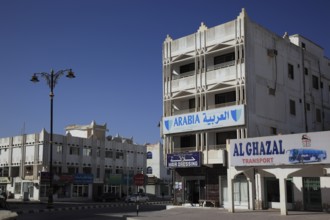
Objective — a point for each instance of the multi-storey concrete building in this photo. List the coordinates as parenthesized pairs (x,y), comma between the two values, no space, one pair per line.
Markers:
(86,163)
(159,176)
(232,81)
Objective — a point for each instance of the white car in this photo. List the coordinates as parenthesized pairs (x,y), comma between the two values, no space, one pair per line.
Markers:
(137,197)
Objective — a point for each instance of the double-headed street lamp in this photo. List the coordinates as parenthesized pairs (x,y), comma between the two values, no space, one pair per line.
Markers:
(51,79)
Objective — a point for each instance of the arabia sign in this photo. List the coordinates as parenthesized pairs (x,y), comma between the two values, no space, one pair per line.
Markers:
(215,118)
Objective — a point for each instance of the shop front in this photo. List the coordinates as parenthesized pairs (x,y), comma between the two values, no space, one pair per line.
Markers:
(195,184)
(287,172)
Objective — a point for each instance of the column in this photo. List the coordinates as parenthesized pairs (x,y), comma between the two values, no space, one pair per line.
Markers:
(231,207)
(283,196)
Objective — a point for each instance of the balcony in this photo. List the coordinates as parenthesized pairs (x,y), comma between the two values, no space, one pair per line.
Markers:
(221,72)
(184,83)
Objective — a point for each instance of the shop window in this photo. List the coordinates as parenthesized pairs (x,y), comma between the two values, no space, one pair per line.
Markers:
(80,191)
(17,188)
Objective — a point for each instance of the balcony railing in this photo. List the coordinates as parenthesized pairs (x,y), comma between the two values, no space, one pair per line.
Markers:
(184,149)
(221,65)
(183,111)
(183,75)
(221,105)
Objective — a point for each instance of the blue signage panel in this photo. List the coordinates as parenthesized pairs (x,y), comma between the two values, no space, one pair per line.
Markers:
(215,118)
(82,178)
(187,159)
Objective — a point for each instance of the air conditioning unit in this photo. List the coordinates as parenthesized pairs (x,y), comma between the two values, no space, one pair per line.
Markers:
(272,52)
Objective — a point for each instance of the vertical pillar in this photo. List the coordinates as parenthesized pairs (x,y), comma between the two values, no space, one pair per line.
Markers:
(283,196)
(251,182)
(231,207)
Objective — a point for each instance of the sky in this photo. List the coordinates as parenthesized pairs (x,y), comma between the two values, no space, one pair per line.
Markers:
(115,49)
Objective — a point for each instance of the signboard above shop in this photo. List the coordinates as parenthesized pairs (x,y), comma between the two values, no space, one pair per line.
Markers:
(187,159)
(215,118)
(293,149)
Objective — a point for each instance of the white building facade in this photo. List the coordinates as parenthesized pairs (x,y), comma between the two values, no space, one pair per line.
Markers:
(86,163)
(159,176)
(233,81)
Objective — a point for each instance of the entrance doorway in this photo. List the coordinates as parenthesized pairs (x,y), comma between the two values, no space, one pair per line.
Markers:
(195,190)
(312,194)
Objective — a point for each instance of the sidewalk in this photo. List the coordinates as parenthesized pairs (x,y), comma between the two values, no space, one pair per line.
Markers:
(200,213)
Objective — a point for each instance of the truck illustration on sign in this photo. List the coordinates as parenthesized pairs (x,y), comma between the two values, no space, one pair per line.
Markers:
(303,155)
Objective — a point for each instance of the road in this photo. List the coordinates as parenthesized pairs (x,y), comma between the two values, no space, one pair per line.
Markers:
(110,213)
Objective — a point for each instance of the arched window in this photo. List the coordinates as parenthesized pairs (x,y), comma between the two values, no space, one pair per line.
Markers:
(149,155)
(149,170)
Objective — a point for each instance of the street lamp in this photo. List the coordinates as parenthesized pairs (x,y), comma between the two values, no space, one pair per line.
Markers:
(51,79)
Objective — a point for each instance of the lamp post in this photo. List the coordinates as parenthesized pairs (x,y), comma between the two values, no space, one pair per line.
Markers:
(51,79)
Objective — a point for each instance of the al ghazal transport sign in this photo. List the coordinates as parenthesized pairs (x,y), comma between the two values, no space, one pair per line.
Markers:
(304,148)
(215,118)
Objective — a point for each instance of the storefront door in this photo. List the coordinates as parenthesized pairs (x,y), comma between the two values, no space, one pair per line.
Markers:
(312,194)
(193,190)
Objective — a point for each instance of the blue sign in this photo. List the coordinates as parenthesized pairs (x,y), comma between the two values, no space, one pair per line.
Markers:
(187,159)
(82,178)
(215,118)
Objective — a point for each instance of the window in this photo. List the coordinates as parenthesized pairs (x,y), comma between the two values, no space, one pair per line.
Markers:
(59,149)
(292,107)
(191,103)
(290,71)
(17,188)
(224,58)
(73,170)
(87,170)
(225,97)
(74,151)
(308,107)
(303,45)
(318,115)
(273,130)
(187,68)
(87,152)
(188,141)
(119,171)
(119,155)
(149,155)
(149,170)
(315,82)
(108,154)
(306,71)
(222,137)
(98,152)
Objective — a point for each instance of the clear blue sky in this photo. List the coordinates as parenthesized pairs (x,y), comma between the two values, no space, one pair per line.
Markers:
(115,49)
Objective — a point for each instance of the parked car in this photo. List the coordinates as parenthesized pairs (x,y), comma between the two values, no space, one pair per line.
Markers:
(141,197)
(108,197)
